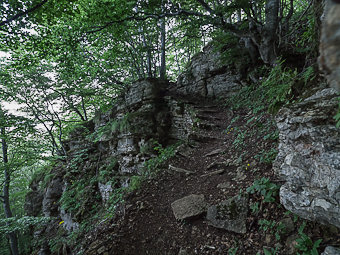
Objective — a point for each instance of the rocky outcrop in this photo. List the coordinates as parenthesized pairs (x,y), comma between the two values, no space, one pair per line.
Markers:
(206,76)
(329,59)
(140,117)
(309,158)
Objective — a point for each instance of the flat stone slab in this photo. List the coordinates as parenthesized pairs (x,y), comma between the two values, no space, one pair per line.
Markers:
(189,207)
(229,214)
(214,152)
(180,170)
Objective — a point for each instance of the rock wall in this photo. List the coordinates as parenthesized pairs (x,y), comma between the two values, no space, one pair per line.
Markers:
(206,76)
(309,149)
(329,59)
(309,158)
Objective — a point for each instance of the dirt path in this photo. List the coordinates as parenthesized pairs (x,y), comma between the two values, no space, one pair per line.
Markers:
(148,225)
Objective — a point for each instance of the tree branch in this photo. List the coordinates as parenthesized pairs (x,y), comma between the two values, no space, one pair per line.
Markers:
(21,14)
(206,6)
(141,16)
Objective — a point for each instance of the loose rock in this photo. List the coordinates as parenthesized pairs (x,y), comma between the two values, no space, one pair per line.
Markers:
(223,185)
(214,153)
(230,214)
(330,250)
(189,207)
(180,170)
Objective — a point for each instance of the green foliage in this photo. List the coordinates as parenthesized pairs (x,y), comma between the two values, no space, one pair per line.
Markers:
(254,207)
(228,45)
(106,171)
(79,194)
(111,127)
(116,197)
(239,141)
(135,182)
(23,227)
(266,225)
(271,135)
(232,251)
(337,116)
(267,156)
(164,154)
(265,188)
(273,227)
(305,245)
(308,75)
(276,87)
(22,224)
(271,252)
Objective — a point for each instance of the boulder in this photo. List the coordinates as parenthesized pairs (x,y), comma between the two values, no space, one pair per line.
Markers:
(230,214)
(309,158)
(189,207)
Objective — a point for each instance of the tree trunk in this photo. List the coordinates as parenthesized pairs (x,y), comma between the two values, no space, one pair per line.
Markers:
(176,55)
(6,202)
(148,55)
(239,16)
(267,46)
(162,70)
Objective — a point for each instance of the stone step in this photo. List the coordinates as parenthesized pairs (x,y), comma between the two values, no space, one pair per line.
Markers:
(208,126)
(205,106)
(203,138)
(208,117)
(208,111)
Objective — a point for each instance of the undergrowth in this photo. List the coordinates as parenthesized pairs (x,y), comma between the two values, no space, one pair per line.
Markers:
(276,87)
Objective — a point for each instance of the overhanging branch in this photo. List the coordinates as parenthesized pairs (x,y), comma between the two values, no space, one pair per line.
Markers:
(21,14)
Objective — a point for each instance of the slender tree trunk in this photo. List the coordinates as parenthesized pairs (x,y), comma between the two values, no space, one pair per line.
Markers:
(162,70)
(239,17)
(148,54)
(267,45)
(6,202)
(176,55)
